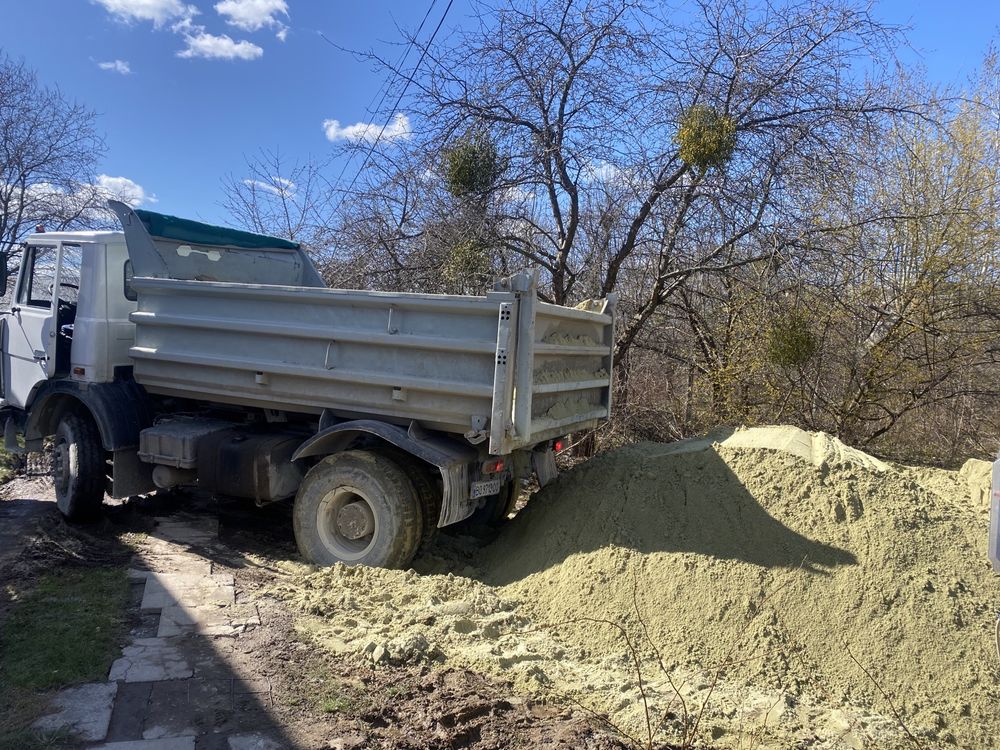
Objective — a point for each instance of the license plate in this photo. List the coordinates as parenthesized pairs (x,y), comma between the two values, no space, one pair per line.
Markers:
(485,488)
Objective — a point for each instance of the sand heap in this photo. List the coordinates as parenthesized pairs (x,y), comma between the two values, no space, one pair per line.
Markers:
(794,590)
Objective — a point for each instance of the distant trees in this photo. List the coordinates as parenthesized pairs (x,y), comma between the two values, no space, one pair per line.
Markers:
(638,151)
(49,148)
(881,327)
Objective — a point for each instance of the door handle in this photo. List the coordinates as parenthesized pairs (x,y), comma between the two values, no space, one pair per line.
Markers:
(40,356)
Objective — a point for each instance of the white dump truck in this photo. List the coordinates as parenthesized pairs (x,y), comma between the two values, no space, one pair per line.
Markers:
(180,354)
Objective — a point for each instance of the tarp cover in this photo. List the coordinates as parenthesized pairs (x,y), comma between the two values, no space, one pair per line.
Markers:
(197,233)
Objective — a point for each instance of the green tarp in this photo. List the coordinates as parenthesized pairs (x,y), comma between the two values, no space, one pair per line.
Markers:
(185,230)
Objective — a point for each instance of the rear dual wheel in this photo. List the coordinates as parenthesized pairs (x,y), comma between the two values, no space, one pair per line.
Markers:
(358,508)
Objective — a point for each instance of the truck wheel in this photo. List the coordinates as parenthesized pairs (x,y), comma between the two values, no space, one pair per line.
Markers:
(358,508)
(78,468)
(428,493)
(485,522)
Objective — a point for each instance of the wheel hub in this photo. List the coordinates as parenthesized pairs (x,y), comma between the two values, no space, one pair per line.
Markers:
(356,520)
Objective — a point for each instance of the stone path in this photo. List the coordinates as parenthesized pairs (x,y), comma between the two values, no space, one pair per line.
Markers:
(173,688)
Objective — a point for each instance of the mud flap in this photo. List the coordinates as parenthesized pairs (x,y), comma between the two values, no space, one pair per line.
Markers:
(544,464)
(129,475)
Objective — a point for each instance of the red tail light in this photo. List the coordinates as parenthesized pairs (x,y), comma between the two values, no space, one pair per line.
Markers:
(558,445)
(493,466)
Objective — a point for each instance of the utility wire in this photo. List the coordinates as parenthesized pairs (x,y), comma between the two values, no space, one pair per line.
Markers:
(384,89)
(399,99)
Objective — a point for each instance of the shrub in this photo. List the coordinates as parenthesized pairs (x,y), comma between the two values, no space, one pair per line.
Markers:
(706,138)
(791,342)
(472,165)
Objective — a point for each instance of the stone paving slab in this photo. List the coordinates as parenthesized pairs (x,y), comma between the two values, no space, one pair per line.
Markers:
(253,741)
(170,590)
(181,581)
(171,562)
(185,687)
(200,531)
(84,710)
(207,620)
(151,660)
(131,705)
(203,707)
(170,713)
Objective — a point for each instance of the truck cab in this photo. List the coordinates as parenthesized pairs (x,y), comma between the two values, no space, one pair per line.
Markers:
(69,313)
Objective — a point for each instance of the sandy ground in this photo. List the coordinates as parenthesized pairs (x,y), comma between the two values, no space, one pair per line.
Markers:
(765,587)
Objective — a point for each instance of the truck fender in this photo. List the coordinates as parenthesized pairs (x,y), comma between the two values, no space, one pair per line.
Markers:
(120,409)
(451,457)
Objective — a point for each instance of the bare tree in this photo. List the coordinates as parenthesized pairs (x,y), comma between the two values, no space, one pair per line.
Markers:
(48,152)
(639,151)
(292,201)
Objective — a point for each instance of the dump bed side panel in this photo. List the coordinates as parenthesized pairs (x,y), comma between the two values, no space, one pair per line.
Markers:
(163,246)
(563,370)
(572,369)
(395,357)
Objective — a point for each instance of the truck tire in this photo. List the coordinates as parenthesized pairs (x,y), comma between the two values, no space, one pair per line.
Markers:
(79,471)
(486,522)
(428,493)
(357,508)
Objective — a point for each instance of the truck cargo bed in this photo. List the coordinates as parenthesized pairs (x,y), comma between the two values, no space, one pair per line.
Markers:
(504,366)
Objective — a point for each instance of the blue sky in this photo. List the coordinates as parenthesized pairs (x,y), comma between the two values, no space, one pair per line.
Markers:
(209,81)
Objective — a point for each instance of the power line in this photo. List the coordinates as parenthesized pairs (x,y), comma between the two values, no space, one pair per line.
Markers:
(399,99)
(384,89)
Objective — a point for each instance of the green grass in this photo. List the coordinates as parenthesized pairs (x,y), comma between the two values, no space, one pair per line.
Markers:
(64,631)
(8,464)
(335,703)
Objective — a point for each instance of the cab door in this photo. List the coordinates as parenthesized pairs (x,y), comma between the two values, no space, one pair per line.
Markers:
(30,337)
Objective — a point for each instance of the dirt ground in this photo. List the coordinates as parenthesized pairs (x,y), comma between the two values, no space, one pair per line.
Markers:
(314,699)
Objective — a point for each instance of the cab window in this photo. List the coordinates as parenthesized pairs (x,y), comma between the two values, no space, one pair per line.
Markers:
(69,278)
(39,275)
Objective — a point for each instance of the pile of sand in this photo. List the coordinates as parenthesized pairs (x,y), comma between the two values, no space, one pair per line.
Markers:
(780,585)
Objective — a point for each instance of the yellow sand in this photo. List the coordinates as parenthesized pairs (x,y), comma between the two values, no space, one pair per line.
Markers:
(796,563)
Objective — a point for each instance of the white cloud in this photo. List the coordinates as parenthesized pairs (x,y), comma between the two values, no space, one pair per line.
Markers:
(602,171)
(277,186)
(124,189)
(516,194)
(85,200)
(157,11)
(253,15)
(218,47)
(118,66)
(282,33)
(199,43)
(399,128)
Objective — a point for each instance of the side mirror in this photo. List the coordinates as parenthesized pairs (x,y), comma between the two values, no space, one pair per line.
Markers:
(3,273)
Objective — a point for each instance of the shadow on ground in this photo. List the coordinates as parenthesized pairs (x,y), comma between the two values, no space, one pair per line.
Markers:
(212,662)
(182,687)
(647,498)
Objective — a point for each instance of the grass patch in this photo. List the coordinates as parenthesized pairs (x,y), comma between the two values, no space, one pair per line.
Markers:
(8,466)
(334,703)
(66,630)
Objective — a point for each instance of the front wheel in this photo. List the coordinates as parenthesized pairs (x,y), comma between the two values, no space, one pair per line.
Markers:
(78,469)
(358,508)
